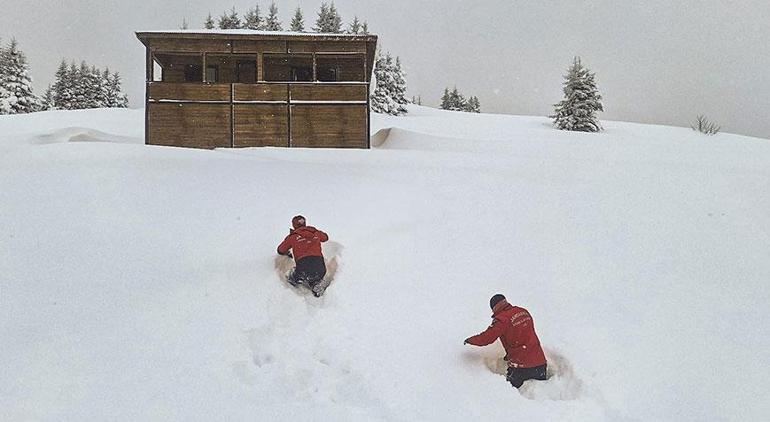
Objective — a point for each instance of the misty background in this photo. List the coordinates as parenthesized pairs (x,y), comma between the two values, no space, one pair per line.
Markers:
(655,61)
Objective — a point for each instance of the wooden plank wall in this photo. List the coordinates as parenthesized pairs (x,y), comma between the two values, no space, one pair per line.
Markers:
(329,126)
(189,125)
(260,125)
(188,91)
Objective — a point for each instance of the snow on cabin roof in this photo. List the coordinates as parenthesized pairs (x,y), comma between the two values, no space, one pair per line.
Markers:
(247,32)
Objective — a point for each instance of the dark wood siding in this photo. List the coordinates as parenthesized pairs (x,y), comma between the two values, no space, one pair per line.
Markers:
(333,47)
(261,92)
(328,92)
(189,125)
(261,125)
(330,126)
(189,91)
(187,45)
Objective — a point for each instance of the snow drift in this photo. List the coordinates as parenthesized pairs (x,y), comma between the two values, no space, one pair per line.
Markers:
(138,282)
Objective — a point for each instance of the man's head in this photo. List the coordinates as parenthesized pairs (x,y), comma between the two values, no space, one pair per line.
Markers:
(298,221)
(495,300)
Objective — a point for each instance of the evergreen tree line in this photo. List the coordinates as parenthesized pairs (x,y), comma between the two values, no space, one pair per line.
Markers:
(16,94)
(327,21)
(454,100)
(389,94)
(84,87)
(74,88)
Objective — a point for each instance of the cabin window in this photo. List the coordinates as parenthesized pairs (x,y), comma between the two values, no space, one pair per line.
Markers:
(212,74)
(171,67)
(288,67)
(246,71)
(157,71)
(192,73)
(340,68)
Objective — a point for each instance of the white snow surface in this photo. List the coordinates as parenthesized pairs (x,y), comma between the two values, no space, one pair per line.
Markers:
(138,282)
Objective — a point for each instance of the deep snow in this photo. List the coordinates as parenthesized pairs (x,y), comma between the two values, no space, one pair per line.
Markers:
(138,282)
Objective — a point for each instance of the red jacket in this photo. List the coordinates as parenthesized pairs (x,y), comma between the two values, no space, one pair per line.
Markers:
(304,241)
(516,330)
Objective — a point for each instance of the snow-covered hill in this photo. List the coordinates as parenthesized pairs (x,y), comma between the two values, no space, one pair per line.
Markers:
(139,283)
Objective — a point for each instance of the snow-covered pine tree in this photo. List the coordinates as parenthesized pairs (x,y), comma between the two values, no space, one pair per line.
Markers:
(81,86)
(47,102)
(60,90)
(399,91)
(577,111)
(445,104)
(17,85)
(252,19)
(320,21)
(209,23)
(98,89)
(384,98)
(4,94)
(335,20)
(473,105)
(271,22)
(328,21)
(457,100)
(298,22)
(230,21)
(355,26)
(107,99)
(115,96)
(365,28)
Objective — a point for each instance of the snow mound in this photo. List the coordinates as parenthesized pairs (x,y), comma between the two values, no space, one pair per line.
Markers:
(79,134)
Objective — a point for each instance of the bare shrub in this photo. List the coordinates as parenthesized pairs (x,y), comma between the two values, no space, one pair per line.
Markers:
(703,125)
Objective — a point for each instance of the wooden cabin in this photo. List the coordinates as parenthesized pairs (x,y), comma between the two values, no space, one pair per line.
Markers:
(243,88)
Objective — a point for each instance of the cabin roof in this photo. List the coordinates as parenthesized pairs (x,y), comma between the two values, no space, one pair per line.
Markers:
(249,34)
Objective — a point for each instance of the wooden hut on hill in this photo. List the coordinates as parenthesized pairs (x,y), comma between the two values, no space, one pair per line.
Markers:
(243,88)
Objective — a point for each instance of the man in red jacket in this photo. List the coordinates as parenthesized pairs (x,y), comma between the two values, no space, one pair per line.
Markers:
(516,330)
(304,243)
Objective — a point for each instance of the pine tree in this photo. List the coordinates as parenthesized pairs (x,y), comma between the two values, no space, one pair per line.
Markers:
(328,21)
(385,98)
(355,26)
(577,111)
(335,20)
(271,22)
(231,21)
(115,96)
(4,94)
(209,23)
(399,88)
(365,28)
(47,102)
(473,105)
(97,89)
(252,19)
(445,105)
(298,23)
(16,83)
(457,100)
(60,91)
(323,17)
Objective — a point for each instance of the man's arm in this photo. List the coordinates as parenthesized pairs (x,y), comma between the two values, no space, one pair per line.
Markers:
(283,248)
(323,237)
(489,335)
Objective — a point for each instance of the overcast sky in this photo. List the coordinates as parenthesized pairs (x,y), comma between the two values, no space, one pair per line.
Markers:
(655,61)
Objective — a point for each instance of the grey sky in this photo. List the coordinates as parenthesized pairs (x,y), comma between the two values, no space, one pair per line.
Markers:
(655,61)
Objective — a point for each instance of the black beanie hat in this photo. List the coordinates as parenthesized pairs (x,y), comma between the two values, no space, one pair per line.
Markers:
(495,299)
